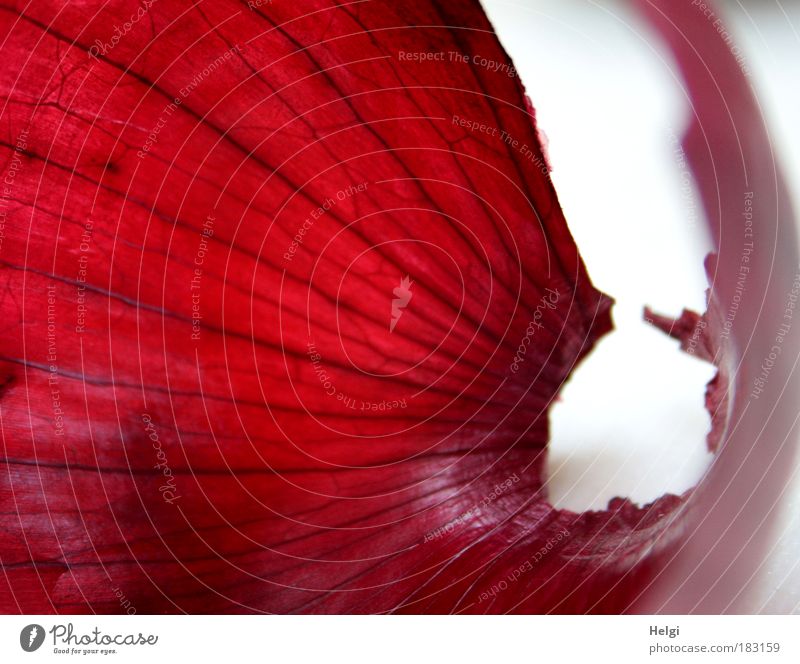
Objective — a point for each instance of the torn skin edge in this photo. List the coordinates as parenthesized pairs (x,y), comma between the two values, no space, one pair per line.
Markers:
(698,335)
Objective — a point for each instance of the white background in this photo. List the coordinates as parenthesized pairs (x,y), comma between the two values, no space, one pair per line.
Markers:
(405,639)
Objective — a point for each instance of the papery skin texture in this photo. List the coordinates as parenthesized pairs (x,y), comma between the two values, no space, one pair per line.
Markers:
(205,405)
(754,229)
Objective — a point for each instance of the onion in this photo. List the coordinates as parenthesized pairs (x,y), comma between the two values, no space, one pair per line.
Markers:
(288,295)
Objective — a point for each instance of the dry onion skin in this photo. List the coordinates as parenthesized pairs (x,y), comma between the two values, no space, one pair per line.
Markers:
(288,294)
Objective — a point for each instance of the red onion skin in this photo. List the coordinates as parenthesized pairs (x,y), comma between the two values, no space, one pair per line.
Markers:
(205,409)
(753,226)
